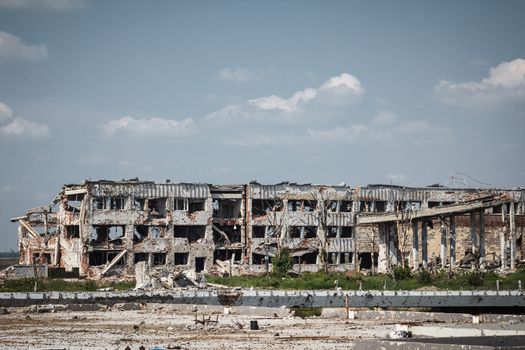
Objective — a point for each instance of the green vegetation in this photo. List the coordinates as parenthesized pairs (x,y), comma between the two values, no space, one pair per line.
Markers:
(462,280)
(305,312)
(282,262)
(60,285)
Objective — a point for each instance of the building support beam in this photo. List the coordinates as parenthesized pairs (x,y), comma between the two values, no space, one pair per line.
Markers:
(415,246)
(473,234)
(482,235)
(512,234)
(452,241)
(383,265)
(424,244)
(443,246)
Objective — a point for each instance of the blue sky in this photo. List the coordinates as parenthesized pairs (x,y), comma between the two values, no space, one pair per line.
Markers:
(404,92)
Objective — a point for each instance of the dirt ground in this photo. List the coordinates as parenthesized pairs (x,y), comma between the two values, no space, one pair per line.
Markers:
(177,330)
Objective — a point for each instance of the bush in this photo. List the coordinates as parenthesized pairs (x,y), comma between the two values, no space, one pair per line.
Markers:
(282,262)
(424,277)
(475,278)
(402,273)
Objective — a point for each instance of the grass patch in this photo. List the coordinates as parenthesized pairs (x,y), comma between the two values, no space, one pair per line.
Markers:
(305,312)
(60,285)
(460,280)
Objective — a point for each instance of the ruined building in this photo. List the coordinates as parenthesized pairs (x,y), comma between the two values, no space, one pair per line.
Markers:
(102,228)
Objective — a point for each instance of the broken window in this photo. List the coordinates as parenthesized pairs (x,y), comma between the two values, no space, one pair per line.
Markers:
(294,205)
(200,263)
(100,202)
(233,233)
(159,259)
(117,203)
(331,206)
(227,254)
(196,205)
(346,232)
(102,257)
(106,233)
(365,206)
(300,205)
(380,206)
(157,207)
(309,206)
(331,231)
(433,204)
(141,257)
(192,233)
(139,233)
(303,231)
(73,202)
(261,207)
(72,231)
(155,232)
(345,206)
(180,204)
(181,258)
(41,258)
(258,259)
(139,203)
(227,208)
(258,231)
(308,258)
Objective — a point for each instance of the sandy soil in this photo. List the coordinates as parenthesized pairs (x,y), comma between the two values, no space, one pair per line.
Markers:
(168,328)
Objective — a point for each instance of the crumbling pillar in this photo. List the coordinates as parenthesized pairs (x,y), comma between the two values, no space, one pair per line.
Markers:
(503,247)
(382,264)
(452,241)
(512,234)
(473,234)
(393,251)
(415,246)
(481,235)
(424,243)
(443,247)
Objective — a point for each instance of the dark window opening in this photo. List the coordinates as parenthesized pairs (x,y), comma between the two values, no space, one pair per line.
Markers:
(156,232)
(497,209)
(308,258)
(365,260)
(141,257)
(72,231)
(258,259)
(261,207)
(332,258)
(159,259)
(200,263)
(365,206)
(258,231)
(196,205)
(181,258)
(380,206)
(232,232)
(192,233)
(106,233)
(73,202)
(139,203)
(227,208)
(180,204)
(117,203)
(227,254)
(100,203)
(346,232)
(331,206)
(102,257)
(345,206)
(140,233)
(303,232)
(41,258)
(331,231)
(157,207)
(309,206)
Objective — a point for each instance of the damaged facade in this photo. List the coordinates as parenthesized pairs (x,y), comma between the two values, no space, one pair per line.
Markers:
(102,228)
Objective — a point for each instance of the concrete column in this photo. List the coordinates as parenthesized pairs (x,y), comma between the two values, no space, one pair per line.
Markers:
(424,243)
(503,247)
(338,258)
(382,264)
(443,247)
(452,241)
(393,251)
(415,246)
(473,235)
(481,235)
(512,234)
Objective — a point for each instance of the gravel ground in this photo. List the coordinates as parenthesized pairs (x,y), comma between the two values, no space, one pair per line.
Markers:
(174,329)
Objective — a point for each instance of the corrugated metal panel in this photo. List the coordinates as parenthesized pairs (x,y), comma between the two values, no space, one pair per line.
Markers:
(151,190)
(341,245)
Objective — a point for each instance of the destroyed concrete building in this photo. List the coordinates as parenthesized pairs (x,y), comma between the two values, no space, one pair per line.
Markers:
(103,228)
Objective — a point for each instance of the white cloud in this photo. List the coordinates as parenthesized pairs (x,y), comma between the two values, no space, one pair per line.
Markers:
(339,133)
(238,75)
(344,87)
(48,5)
(20,127)
(149,127)
(14,126)
(384,118)
(12,48)
(505,83)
